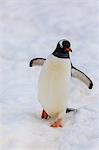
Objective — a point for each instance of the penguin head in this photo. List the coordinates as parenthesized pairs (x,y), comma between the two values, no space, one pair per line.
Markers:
(62,49)
(64,45)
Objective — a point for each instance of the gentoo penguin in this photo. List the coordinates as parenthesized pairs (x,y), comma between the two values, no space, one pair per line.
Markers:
(54,82)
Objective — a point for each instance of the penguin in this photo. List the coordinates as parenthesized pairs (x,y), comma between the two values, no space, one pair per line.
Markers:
(54,82)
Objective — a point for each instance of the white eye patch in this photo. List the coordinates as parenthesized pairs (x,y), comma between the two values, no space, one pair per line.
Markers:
(61,43)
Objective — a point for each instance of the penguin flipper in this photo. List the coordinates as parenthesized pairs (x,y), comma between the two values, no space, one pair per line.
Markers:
(81,76)
(37,62)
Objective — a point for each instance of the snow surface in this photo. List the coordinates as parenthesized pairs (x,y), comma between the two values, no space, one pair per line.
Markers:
(32,28)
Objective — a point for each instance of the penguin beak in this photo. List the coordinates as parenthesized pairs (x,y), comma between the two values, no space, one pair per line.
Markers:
(68,49)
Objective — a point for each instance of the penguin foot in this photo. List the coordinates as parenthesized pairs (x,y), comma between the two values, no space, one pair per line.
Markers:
(44,115)
(57,124)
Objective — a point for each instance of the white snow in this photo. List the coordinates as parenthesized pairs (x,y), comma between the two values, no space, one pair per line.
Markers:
(32,28)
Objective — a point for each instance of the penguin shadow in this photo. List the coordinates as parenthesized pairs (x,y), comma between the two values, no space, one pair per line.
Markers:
(37,117)
(39,120)
(81,114)
(69,118)
(43,122)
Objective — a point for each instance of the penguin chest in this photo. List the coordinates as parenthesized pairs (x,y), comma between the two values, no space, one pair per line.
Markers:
(54,84)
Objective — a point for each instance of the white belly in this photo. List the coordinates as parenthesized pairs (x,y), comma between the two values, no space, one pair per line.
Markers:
(53,85)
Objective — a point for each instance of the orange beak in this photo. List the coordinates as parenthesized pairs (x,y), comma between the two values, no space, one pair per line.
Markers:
(68,49)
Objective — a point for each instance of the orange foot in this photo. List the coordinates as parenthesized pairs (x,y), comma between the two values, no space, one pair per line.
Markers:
(44,115)
(57,124)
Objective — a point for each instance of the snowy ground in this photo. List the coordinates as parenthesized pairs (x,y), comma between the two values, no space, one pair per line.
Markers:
(31,28)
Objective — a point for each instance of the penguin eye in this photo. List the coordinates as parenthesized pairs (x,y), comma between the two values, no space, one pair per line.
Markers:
(66,44)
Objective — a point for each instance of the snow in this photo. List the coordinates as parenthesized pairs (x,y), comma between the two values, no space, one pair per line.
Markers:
(31,29)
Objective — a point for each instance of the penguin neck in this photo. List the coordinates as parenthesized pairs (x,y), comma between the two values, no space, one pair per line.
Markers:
(60,53)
